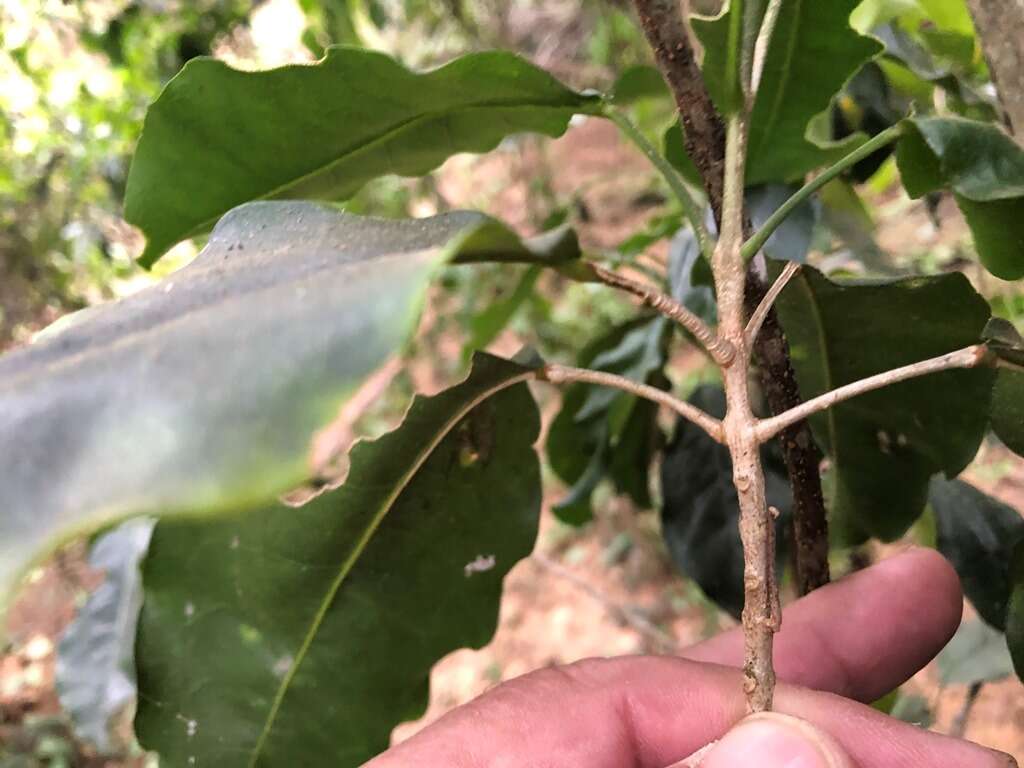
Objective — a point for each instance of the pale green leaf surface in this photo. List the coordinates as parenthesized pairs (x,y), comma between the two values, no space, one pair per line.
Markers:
(203,393)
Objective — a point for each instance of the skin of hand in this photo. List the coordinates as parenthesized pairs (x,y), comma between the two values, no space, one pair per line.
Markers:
(849,642)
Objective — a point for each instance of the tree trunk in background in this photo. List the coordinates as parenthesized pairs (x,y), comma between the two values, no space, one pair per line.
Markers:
(1000,26)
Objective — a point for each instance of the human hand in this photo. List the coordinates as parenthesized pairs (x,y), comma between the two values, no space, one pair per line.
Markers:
(852,641)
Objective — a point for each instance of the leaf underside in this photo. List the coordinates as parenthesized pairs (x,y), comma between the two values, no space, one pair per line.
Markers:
(302,636)
(203,393)
(984,168)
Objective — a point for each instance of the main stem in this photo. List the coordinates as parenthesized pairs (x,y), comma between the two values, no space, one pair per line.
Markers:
(761,613)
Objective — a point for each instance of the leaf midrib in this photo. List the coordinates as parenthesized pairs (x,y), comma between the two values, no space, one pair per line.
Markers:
(360,546)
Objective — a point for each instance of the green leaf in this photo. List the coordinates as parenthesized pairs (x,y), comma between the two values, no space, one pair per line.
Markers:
(976,654)
(885,445)
(1015,610)
(977,534)
(1008,409)
(699,519)
(302,636)
(985,170)
(95,671)
(203,393)
(217,137)
(813,52)
(638,83)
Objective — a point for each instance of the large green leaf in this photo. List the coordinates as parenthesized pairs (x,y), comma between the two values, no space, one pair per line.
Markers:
(977,535)
(204,392)
(813,52)
(217,137)
(885,445)
(985,170)
(302,636)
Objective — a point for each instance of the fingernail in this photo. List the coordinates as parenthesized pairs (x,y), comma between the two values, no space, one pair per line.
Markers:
(776,741)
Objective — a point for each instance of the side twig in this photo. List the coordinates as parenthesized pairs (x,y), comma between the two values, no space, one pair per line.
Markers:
(767,302)
(968,357)
(721,351)
(562,374)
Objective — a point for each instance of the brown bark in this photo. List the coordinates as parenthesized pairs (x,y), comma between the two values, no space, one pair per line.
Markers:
(704,136)
(1000,25)
(809,526)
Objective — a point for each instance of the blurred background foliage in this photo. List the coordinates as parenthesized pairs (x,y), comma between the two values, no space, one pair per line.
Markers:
(76,77)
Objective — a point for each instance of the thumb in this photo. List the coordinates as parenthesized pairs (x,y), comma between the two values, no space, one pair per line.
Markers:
(771,740)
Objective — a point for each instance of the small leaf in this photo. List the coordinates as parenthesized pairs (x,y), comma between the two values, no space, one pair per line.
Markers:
(985,170)
(203,394)
(683,258)
(977,534)
(699,519)
(1004,340)
(594,422)
(792,240)
(322,131)
(885,445)
(95,671)
(976,654)
(252,625)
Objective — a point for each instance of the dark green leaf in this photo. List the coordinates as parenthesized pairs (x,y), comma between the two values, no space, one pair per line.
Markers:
(95,670)
(203,394)
(977,534)
(321,131)
(885,445)
(976,654)
(302,636)
(985,170)
(700,516)
(1015,611)
(1008,409)
(813,52)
